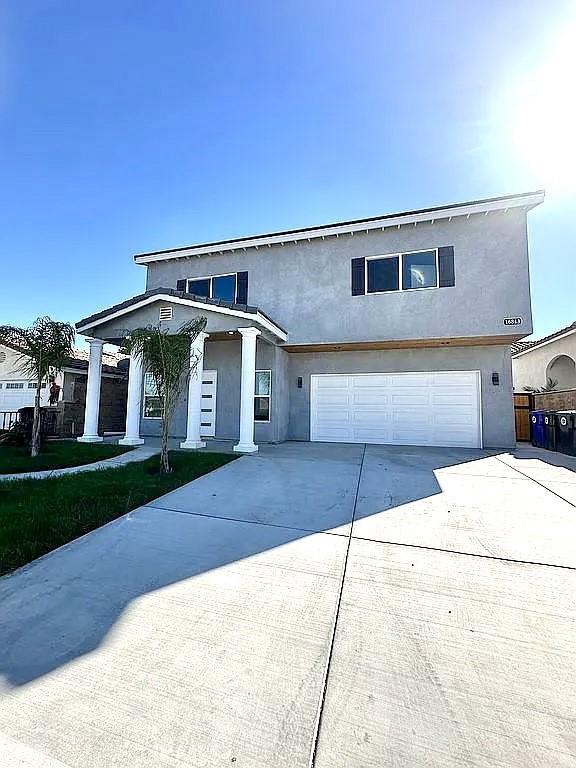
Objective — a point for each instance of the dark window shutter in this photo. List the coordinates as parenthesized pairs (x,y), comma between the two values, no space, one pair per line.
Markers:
(181,285)
(242,288)
(358,281)
(446,266)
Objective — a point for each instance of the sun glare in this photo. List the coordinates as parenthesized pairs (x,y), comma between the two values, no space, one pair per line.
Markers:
(542,117)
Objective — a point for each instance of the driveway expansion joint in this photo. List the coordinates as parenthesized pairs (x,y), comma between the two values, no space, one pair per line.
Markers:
(318,724)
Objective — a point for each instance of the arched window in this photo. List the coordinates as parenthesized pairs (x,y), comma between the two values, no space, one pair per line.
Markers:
(563,370)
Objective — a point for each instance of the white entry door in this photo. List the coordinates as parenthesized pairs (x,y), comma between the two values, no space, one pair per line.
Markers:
(208,414)
(433,408)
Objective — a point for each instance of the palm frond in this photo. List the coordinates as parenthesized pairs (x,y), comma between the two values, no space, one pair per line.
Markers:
(44,347)
(167,357)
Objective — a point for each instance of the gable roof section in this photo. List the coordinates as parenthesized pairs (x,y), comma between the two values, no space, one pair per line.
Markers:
(521,347)
(168,294)
(525,200)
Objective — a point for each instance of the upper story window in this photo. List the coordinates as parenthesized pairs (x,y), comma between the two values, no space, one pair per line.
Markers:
(402,271)
(218,287)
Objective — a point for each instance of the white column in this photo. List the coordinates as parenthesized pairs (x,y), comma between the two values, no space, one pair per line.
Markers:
(247,382)
(92,407)
(134,403)
(195,394)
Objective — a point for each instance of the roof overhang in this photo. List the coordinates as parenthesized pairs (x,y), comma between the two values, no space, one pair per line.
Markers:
(544,343)
(526,200)
(90,324)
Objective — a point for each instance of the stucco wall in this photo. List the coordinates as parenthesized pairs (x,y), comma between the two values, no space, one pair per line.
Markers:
(497,402)
(529,369)
(291,406)
(305,287)
(225,358)
(115,330)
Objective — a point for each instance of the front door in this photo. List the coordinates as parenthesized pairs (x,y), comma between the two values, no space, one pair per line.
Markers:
(208,413)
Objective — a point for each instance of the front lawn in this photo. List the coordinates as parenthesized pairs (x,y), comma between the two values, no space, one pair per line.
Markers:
(55,455)
(39,515)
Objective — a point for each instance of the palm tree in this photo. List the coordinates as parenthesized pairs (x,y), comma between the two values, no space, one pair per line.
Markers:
(45,347)
(167,357)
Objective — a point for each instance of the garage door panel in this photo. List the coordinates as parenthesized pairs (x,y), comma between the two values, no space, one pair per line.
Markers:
(402,409)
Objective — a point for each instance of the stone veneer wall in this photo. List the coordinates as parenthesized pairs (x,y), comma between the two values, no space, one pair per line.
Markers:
(555,401)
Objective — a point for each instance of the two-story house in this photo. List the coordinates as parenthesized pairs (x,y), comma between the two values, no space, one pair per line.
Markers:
(394,329)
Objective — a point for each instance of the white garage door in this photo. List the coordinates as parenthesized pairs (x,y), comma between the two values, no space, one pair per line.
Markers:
(15,394)
(441,408)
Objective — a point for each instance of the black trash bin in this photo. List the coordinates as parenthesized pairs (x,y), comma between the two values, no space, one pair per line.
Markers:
(566,432)
(550,430)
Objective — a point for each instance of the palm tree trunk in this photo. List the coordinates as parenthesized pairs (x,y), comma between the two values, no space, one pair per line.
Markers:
(164,458)
(35,442)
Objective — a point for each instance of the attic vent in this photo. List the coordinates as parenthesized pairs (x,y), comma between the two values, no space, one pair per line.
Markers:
(165,313)
(2,356)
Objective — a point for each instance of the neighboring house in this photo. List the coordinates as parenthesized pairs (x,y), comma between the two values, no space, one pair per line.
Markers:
(553,357)
(18,390)
(394,329)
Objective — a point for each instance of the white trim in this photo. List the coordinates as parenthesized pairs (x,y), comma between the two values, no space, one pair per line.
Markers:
(543,343)
(314,388)
(400,256)
(258,317)
(450,212)
(269,419)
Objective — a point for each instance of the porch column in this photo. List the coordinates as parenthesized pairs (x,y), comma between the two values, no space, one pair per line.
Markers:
(194,417)
(92,407)
(134,402)
(248,376)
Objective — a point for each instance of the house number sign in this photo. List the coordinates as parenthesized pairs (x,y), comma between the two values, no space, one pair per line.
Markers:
(512,321)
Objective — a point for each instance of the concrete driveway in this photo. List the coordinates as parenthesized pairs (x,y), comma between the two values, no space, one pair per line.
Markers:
(339,606)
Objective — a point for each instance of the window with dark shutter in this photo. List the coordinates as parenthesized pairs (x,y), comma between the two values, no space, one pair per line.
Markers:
(446,266)
(181,286)
(242,288)
(358,279)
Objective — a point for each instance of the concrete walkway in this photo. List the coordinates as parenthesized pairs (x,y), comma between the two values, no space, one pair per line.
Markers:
(150,448)
(339,606)
(140,453)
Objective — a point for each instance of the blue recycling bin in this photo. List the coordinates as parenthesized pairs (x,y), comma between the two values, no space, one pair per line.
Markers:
(537,434)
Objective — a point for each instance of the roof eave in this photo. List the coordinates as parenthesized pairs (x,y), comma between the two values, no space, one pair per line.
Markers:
(527,200)
(544,342)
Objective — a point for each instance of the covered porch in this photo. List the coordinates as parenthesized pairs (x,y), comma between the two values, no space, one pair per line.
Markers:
(233,332)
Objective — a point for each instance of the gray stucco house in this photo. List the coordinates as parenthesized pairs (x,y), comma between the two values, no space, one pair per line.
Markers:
(393,329)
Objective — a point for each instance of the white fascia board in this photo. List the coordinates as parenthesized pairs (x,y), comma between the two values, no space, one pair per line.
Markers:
(544,343)
(527,201)
(259,318)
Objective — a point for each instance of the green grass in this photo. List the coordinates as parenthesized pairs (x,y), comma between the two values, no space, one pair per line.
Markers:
(55,455)
(37,516)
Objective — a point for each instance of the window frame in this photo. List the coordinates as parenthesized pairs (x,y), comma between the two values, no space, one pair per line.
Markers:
(144,416)
(400,256)
(269,396)
(211,279)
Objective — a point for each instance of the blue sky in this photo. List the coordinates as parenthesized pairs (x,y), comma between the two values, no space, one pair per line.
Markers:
(130,126)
